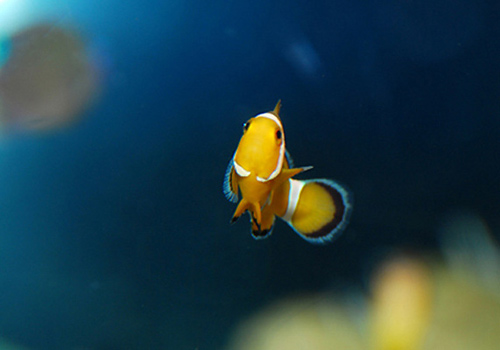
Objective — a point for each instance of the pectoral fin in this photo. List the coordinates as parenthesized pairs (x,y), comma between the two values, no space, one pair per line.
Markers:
(288,160)
(289,173)
(230,186)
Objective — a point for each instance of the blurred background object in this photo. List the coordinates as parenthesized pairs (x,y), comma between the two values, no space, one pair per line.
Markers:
(412,304)
(6,345)
(467,289)
(300,323)
(47,80)
(401,303)
(118,119)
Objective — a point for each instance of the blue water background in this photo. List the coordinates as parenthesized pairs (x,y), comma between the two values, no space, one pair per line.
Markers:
(114,234)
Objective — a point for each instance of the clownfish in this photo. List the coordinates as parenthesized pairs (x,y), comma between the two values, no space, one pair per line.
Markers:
(262,171)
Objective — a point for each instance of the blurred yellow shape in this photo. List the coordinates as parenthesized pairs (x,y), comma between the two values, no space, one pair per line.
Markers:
(8,345)
(413,306)
(466,315)
(401,305)
(307,323)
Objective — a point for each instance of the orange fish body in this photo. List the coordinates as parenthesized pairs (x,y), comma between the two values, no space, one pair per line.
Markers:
(262,171)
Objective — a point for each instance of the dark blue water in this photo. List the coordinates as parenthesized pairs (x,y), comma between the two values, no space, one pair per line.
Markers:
(114,233)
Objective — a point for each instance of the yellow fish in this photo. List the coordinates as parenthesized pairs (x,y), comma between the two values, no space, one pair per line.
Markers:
(262,171)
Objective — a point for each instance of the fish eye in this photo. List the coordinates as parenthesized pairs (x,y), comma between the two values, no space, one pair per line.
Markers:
(245,126)
(278,134)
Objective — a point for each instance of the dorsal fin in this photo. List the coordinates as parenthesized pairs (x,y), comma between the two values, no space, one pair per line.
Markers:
(277,108)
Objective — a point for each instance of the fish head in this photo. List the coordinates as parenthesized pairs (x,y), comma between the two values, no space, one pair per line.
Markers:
(261,150)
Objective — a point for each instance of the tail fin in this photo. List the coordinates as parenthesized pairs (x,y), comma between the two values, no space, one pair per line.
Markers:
(318,210)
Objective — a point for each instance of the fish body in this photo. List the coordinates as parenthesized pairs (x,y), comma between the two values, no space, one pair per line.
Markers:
(262,172)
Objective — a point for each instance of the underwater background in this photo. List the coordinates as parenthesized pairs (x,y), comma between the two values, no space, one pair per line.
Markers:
(114,230)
